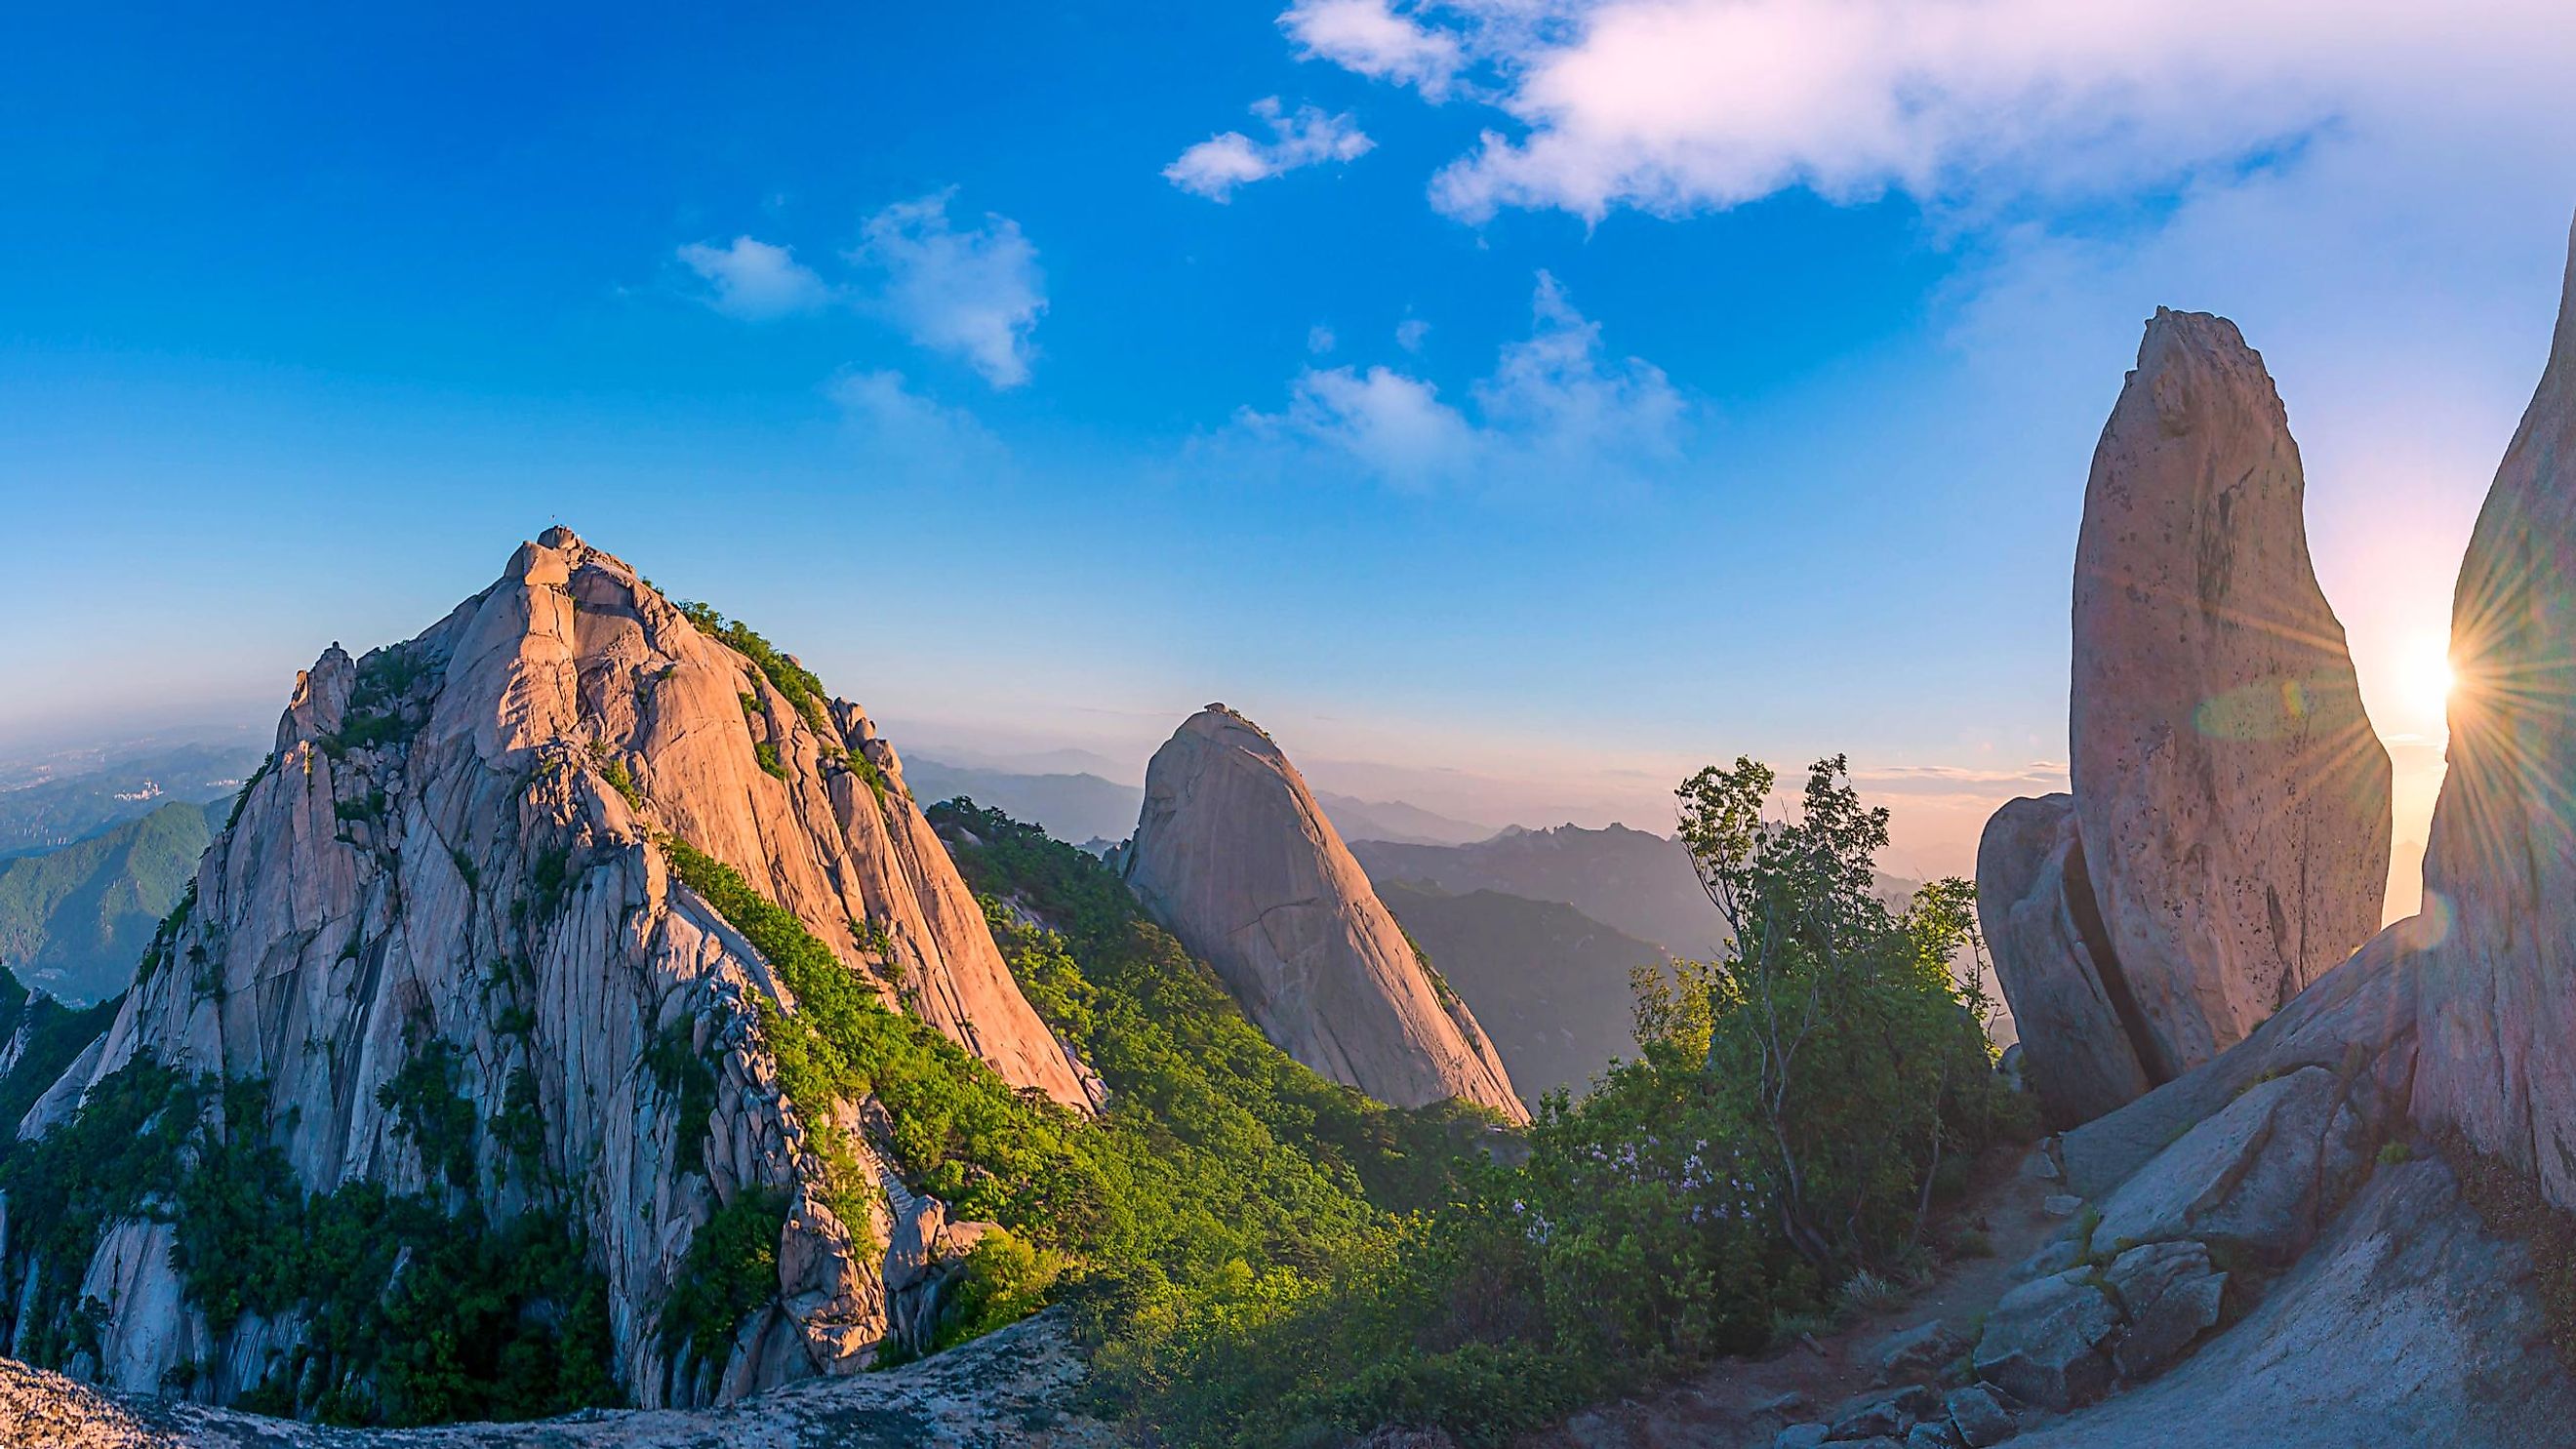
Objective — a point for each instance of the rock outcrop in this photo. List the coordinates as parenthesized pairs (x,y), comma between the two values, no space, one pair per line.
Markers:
(449,872)
(2080,1047)
(2231,803)
(1235,857)
(2499,1018)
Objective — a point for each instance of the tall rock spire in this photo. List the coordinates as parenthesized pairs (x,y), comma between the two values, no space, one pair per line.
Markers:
(2231,803)
(2498,968)
(2232,796)
(1234,855)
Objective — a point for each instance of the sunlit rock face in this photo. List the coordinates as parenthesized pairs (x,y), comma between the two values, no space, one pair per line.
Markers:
(1235,857)
(452,850)
(2226,842)
(2232,798)
(2499,979)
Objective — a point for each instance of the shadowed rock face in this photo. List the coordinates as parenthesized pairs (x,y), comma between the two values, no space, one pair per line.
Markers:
(2499,1014)
(2228,839)
(2036,902)
(1233,854)
(453,845)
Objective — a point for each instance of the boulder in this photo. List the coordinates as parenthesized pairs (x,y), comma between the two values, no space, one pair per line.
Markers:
(1234,856)
(2079,1051)
(1922,1351)
(2170,1294)
(2260,1175)
(2043,1343)
(2233,800)
(1888,1411)
(2499,1024)
(1801,1436)
(1978,1414)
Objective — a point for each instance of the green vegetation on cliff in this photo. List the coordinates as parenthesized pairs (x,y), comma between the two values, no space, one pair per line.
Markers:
(416,1315)
(1219,1165)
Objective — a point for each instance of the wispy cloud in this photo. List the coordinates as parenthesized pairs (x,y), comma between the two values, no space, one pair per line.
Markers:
(753,280)
(1216,166)
(1369,37)
(902,431)
(974,294)
(1556,408)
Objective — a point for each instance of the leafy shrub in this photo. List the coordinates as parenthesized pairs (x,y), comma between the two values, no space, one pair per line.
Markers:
(731,1269)
(767,754)
(687,1079)
(427,1110)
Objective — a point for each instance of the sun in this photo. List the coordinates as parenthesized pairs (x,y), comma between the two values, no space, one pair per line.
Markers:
(2424,677)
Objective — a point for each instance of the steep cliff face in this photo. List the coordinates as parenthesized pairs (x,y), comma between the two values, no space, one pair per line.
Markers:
(1235,857)
(442,936)
(2232,797)
(2499,1053)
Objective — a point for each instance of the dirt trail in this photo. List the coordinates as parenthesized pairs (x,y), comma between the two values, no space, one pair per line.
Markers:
(1725,1406)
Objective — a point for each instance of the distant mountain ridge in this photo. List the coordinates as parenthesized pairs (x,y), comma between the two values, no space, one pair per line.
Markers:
(63,809)
(1636,881)
(74,921)
(1550,984)
(1083,806)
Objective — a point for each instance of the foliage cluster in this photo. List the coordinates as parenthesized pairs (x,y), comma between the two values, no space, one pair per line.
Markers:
(688,1079)
(55,1034)
(731,1269)
(804,692)
(415,1315)
(428,1111)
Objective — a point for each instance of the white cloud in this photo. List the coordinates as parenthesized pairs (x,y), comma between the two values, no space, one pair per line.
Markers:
(1556,411)
(753,280)
(1216,166)
(1410,332)
(1320,339)
(1677,105)
(1369,37)
(902,431)
(974,294)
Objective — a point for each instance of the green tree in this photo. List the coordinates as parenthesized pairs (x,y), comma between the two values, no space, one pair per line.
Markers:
(1837,1028)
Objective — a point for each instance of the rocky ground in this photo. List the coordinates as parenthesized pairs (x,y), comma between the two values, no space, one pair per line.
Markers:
(1017,1388)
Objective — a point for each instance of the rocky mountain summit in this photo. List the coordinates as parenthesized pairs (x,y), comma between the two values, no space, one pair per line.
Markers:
(2226,841)
(1234,856)
(471,970)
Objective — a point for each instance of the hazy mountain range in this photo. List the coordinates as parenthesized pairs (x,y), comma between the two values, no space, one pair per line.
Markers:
(1084,806)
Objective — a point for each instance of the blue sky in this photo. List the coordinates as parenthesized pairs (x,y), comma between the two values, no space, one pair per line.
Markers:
(1596,388)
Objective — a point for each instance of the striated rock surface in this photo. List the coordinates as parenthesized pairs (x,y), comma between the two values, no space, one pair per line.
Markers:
(2499,1017)
(450,863)
(1235,857)
(2232,797)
